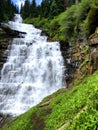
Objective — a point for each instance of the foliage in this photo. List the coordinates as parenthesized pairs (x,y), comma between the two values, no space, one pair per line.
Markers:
(7,10)
(77,109)
(68,22)
(73,21)
(44,8)
(72,24)
(26,9)
(56,8)
(38,22)
(33,9)
(23,123)
(47,9)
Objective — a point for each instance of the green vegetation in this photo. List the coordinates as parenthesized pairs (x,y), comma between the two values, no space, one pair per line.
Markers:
(92,18)
(47,9)
(7,10)
(76,22)
(76,109)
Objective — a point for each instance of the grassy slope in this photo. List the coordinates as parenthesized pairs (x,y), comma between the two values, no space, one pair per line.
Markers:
(71,24)
(75,109)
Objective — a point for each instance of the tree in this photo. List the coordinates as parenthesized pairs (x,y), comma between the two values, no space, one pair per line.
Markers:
(65,4)
(71,2)
(33,9)
(1,10)
(92,19)
(26,9)
(7,10)
(53,9)
(45,7)
(60,5)
(56,7)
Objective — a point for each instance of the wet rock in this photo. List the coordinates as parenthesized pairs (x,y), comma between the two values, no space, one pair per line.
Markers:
(4,42)
(4,119)
(66,50)
(10,32)
(44,33)
(93,41)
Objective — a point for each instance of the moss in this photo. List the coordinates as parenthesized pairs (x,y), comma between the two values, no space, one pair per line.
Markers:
(92,20)
(84,63)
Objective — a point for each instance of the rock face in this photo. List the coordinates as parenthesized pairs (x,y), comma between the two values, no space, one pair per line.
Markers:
(66,50)
(93,43)
(4,42)
(84,57)
(6,35)
(93,40)
(4,119)
(81,59)
(10,32)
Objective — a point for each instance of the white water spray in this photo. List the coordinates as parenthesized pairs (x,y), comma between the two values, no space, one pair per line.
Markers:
(34,69)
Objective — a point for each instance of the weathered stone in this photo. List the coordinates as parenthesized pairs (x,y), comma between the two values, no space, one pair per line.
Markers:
(4,119)
(93,40)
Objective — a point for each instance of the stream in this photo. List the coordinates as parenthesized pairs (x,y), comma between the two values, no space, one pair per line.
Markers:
(34,69)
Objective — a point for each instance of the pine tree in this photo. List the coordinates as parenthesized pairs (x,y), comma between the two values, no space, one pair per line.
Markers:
(1,10)
(60,5)
(53,9)
(46,8)
(26,9)
(56,7)
(33,9)
(7,10)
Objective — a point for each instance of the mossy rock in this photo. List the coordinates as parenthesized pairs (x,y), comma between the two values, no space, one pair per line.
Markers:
(92,19)
(9,31)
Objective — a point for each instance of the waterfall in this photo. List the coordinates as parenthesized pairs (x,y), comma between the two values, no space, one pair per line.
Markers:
(33,70)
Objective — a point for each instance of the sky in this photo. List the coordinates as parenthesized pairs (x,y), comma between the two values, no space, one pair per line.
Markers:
(19,2)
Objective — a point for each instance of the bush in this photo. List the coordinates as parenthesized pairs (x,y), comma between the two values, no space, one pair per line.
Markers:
(77,22)
(68,22)
(73,23)
(34,21)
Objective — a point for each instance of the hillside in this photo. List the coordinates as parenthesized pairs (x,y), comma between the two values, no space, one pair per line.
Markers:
(73,109)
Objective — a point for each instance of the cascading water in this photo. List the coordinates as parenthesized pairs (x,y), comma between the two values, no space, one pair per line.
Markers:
(34,69)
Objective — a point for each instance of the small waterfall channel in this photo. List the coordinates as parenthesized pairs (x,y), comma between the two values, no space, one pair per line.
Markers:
(33,70)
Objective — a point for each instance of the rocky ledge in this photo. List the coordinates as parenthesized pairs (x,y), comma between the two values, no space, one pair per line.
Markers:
(11,32)
(6,35)
(4,119)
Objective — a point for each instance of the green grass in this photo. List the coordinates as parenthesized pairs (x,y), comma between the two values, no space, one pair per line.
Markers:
(76,107)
